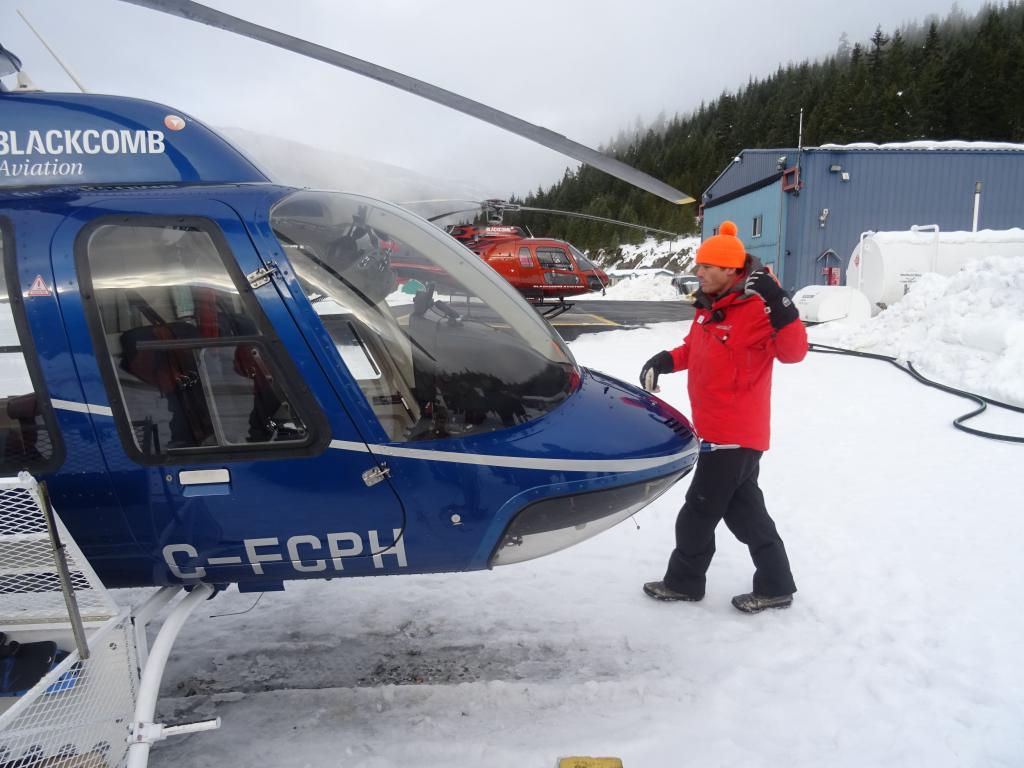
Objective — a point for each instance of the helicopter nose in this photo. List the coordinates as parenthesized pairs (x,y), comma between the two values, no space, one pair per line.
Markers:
(647,445)
(557,523)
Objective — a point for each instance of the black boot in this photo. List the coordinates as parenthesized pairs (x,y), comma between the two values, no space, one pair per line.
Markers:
(753,603)
(659,591)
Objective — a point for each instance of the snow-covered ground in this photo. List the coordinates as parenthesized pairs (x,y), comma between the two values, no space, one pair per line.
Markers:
(678,253)
(674,255)
(642,288)
(904,647)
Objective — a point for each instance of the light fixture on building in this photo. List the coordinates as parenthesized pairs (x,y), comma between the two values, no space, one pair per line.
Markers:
(835,168)
(823,216)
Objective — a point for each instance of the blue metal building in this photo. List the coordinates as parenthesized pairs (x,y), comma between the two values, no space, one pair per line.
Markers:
(803,211)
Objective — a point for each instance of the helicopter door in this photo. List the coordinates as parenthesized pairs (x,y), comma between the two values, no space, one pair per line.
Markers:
(220,417)
(44,428)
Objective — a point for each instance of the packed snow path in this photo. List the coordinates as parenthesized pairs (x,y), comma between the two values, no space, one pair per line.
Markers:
(903,647)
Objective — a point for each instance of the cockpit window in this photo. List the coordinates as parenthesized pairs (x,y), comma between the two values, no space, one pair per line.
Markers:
(439,344)
(553,258)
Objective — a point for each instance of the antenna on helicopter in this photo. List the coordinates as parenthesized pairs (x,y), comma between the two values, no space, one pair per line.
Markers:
(52,52)
(192,11)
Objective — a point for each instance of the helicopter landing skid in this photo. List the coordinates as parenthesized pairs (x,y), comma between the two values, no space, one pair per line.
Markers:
(143,732)
(551,311)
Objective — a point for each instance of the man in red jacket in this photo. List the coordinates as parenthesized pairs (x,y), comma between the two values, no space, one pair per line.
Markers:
(744,322)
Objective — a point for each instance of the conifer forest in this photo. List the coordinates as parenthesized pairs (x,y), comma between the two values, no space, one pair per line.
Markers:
(957,77)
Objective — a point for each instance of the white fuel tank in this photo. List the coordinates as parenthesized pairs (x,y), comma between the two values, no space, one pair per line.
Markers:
(884,265)
(822,303)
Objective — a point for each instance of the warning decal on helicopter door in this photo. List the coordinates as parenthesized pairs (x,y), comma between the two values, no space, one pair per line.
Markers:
(39,287)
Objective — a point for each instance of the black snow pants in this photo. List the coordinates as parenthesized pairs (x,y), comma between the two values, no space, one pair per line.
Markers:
(724,486)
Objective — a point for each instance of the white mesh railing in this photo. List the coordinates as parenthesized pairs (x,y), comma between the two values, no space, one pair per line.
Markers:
(30,589)
(80,713)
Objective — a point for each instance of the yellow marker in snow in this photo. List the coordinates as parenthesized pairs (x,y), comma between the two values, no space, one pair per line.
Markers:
(590,762)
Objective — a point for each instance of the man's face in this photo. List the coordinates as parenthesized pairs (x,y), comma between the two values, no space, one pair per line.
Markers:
(714,280)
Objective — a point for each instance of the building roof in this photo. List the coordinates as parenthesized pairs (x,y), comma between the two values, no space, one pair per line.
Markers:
(750,169)
(755,168)
(955,145)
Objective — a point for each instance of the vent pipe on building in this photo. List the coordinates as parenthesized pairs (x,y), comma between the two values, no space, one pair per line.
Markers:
(977,205)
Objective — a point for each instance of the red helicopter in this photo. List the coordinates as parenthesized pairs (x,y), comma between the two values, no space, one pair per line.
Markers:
(546,271)
(541,268)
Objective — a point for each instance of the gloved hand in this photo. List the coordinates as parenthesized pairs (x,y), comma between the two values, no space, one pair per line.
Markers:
(777,303)
(657,365)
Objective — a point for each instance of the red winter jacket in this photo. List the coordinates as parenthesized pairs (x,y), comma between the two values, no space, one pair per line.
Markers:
(729,353)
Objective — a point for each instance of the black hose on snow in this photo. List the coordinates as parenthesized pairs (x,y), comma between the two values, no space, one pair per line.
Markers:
(909,369)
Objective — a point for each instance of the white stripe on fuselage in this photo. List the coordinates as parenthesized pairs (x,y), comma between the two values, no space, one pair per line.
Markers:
(453,457)
(514,462)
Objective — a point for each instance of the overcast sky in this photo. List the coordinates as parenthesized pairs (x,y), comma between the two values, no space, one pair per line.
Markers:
(584,68)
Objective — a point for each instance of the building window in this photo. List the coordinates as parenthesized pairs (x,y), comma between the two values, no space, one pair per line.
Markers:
(756,229)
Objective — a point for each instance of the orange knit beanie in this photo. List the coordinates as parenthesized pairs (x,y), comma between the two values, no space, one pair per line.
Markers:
(723,249)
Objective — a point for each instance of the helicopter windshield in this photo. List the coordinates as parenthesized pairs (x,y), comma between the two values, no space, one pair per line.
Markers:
(440,345)
(582,261)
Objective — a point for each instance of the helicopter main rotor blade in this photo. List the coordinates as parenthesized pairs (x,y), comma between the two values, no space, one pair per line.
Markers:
(440,200)
(452,213)
(596,218)
(186,9)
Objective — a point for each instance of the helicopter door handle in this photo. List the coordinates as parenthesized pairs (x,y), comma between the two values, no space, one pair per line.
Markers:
(260,277)
(205,482)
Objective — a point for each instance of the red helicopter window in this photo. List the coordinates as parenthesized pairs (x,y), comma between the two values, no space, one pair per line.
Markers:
(553,258)
(188,356)
(525,257)
(26,427)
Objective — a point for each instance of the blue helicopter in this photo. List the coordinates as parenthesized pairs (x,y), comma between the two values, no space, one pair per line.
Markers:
(224,380)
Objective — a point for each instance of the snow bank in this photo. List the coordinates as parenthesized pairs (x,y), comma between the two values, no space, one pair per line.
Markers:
(926,144)
(1013,235)
(966,330)
(652,250)
(642,288)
